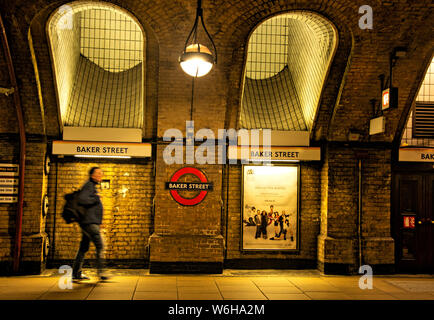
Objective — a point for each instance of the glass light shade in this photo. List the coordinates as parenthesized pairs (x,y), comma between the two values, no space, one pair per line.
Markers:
(197,60)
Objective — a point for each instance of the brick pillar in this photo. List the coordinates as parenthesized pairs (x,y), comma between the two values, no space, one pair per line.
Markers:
(186,238)
(9,150)
(34,236)
(338,244)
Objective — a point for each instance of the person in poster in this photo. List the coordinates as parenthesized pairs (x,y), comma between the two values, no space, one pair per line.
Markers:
(258,224)
(276,224)
(264,224)
(249,221)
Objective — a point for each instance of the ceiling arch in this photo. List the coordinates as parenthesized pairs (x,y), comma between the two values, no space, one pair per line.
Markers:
(296,48)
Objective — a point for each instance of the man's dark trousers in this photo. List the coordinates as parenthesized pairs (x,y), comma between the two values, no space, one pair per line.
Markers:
(90,233)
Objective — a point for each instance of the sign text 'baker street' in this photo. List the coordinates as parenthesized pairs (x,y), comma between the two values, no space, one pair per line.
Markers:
(188,186)
(81,148)
(103,150)
(274,154)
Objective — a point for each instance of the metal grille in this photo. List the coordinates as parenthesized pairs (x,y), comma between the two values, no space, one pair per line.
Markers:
(278,92)
(101,98)
(423,121)
(426,92)
(98,61)
(110,39)
(268,49)
(287,59)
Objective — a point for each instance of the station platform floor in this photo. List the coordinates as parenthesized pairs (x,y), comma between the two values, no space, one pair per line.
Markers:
(138,284)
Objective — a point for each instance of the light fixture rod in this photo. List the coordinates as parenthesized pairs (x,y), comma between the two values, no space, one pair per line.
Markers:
(192,98)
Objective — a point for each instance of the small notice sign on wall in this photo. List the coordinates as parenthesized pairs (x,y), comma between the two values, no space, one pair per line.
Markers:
(8,199)
(9,183)
(7,169)
(409,222)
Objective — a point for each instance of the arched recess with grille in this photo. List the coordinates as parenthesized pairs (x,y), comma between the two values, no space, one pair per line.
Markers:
(287,62)
(98,58)
(419,130)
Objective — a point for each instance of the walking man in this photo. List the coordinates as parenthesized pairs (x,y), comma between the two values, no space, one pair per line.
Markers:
(90,225)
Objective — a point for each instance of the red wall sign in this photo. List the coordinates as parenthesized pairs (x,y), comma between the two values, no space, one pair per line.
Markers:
(175,186)
(409,222)
(385,99)
(389,98)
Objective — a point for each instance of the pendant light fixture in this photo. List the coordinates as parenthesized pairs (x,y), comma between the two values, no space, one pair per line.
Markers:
(197,60)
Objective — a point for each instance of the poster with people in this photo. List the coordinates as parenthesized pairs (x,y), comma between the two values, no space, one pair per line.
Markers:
(270,207)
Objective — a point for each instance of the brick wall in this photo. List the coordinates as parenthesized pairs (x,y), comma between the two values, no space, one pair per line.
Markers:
(338,241)
(8,154)
(9,151)
(33,222)
(187,233)
(344,105)
(127,221)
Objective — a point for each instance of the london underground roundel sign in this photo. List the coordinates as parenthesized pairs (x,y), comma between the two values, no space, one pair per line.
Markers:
(177,186)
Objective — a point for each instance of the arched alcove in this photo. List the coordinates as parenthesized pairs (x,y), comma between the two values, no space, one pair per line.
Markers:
(419,129)
(288,58)
(97,52)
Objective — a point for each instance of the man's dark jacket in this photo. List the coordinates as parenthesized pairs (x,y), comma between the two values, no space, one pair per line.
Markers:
(90,200)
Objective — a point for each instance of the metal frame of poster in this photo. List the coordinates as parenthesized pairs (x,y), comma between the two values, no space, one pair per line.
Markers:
(266,235)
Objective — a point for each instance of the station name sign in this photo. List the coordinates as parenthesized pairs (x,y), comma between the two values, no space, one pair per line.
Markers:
(274,153)
(177,187)
(102,149)
(416,154)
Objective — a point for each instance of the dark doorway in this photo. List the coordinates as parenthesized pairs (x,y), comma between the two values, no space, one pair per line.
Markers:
(413,222)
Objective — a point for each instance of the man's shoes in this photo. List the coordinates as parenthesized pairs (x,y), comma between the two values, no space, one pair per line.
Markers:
(80,277)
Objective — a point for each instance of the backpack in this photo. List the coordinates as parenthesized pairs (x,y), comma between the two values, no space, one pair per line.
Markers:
(72,210)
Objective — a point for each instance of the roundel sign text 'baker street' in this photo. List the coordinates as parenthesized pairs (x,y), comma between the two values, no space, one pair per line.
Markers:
(189,186)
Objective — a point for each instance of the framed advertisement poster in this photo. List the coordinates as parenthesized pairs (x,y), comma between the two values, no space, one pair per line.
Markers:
(270,207)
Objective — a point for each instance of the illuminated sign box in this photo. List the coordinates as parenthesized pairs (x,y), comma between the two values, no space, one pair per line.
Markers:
(102,149)
(389,98)
(270,207)
(409,222)
(416,154)
(274,153)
